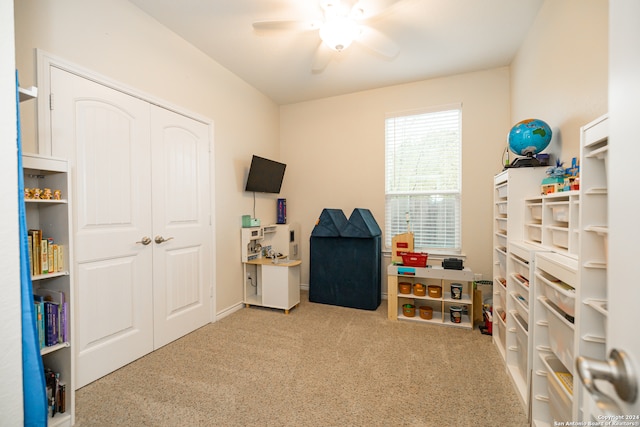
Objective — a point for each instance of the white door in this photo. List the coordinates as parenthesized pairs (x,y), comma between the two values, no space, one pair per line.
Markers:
(142,223)
(105,135)
(624,202)
(181,225)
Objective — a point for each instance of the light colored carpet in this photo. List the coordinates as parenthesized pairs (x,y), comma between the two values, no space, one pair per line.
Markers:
(320,365)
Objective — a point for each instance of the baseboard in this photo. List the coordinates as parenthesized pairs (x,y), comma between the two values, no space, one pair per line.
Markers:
(229,311)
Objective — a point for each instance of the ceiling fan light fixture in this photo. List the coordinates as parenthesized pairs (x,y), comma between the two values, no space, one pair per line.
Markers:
(338,33)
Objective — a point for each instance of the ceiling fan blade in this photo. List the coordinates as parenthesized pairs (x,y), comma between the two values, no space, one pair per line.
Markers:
(287,25)
(321,58)
(374,40)
(368,9)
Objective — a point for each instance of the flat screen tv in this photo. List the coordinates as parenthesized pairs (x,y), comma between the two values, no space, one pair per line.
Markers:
(265,176)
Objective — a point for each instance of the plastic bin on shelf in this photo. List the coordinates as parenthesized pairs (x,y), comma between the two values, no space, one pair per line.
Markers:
(561,334)
(560,395)
(536,211)
(560,213)
(560,294)
(560,237)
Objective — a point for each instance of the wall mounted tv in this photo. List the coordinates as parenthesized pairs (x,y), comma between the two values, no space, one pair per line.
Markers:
(265,176)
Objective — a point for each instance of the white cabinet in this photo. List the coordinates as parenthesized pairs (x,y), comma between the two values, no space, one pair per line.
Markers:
(49,218)
(274,285)
(511,187)
(448,294)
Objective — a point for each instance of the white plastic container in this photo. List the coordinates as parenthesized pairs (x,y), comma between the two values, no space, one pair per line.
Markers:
(560,398)
(502,208)
(502,190)
(534,232)
(561,335)
(560,237)
(523,351)
(536,211)
(560,213)
(560,294)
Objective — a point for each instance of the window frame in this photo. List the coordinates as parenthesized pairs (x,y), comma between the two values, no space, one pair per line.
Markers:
(392,229)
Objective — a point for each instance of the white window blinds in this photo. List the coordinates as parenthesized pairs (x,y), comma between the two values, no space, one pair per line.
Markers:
(423,178)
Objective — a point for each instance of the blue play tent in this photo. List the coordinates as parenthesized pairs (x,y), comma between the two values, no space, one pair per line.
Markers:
(345,260)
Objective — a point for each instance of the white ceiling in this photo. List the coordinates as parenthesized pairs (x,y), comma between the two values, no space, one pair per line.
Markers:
(435,38)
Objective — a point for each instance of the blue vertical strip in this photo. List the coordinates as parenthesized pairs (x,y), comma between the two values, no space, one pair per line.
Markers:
(34,387)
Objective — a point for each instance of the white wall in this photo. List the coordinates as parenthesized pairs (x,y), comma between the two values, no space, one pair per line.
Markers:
(560,72)
(334,149)
(10,313)
(115,39)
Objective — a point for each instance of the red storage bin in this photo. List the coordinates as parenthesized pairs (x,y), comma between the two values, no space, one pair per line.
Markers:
(414,259)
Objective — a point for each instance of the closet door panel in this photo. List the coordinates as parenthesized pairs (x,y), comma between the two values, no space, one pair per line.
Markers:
(181,216)
(105,136)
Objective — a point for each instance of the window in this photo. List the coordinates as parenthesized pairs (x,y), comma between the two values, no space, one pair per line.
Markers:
(423,170)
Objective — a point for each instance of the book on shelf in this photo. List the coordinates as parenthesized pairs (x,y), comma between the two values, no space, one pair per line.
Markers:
(51,324)
(56,392)
(44,251)
(30,247)
(50,249)
(38,303)
(36,236)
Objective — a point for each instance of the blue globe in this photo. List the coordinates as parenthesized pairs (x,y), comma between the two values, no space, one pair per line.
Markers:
(529,137)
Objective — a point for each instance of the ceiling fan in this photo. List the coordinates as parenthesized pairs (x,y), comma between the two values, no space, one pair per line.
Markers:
(343,22)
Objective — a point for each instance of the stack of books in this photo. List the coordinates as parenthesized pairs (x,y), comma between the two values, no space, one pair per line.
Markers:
(45,256)
(52,317)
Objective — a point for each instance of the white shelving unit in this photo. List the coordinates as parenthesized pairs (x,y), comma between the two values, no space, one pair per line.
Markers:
(511,187)
(552,222)
(520,318)
(53,218)
(441,306)
(554,338)
(571,293)
(591,329)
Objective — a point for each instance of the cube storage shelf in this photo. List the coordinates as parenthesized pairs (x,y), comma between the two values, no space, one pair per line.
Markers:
(431,276)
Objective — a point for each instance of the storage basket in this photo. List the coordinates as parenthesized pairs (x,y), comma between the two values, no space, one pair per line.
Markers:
(405,287)
(435,291)
(409,310)
(414,259)
(426,312)
(419,290)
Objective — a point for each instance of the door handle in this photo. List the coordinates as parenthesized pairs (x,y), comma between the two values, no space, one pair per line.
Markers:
(145,240)
(160,239)
(618,370)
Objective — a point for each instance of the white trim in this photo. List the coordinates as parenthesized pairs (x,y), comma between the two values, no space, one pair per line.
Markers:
(229,311)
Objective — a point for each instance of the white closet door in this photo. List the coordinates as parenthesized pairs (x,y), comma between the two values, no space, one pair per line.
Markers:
(181,216)
(105,135)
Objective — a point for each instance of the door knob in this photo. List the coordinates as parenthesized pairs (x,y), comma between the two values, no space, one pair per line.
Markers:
(160,239)
(145,240)
(618,370)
